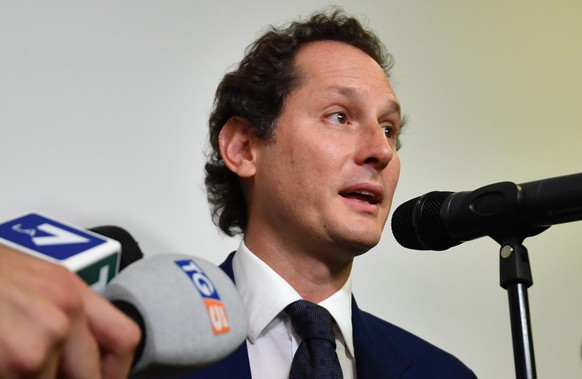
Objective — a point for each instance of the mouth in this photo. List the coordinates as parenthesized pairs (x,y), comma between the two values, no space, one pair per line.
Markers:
(370,194)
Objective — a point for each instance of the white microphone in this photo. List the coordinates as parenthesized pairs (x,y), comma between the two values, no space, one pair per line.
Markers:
(189,310)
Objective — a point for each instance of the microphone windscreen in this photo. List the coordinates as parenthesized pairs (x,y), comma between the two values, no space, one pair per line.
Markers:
(191,313)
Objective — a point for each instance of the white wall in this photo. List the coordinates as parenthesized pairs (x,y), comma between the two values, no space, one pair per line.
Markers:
(103,109)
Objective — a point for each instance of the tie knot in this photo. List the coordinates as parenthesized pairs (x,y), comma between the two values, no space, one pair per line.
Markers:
(311,321)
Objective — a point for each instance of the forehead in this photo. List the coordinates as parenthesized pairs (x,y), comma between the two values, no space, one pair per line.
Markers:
(324,64)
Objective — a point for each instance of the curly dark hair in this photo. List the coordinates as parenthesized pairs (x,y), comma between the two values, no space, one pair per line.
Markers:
(256,91)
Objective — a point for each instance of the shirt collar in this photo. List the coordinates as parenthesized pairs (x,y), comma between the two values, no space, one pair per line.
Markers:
(265,294)
(340,306)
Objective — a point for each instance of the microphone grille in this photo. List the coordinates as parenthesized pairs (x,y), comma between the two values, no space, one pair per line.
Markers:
(431,226)
(417,223)
(403,225)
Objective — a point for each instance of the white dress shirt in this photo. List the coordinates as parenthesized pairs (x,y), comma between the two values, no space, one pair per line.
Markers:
(271,341)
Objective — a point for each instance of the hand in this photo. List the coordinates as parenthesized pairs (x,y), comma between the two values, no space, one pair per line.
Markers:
(53,325)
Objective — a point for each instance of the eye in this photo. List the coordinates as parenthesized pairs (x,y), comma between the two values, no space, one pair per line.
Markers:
(339,118)
(389,131)
(392,133)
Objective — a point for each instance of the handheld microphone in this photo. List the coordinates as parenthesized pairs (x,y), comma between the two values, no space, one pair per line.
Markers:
(94,257)
(502,211)
(188,309)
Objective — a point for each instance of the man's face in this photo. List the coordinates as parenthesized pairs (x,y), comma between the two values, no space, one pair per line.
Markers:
(325,183)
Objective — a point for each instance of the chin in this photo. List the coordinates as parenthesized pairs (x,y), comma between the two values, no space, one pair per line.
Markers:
(355,237)
(359,243)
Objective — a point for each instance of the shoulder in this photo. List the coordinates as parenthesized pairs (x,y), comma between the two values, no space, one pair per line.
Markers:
(412,356)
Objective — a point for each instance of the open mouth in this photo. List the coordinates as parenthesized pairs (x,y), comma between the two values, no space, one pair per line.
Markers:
(363,196)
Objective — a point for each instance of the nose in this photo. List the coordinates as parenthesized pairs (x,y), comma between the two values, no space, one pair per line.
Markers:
(374,148)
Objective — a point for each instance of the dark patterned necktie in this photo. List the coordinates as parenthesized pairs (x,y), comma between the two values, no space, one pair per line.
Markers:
(316,357)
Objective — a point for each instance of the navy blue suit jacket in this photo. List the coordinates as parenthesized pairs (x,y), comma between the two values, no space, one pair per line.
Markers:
(383,351)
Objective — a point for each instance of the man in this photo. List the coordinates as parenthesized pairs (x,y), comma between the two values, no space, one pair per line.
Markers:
(304,164)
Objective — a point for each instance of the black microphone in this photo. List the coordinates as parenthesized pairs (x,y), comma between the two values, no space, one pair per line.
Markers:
(504,211)
(130,251)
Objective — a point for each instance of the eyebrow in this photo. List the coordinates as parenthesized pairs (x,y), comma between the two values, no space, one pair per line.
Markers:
(352,92)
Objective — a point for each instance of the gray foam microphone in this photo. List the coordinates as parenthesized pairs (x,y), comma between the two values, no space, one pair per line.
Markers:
(189,310)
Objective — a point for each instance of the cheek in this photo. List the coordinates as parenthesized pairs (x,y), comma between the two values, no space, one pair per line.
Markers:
(394,169)
(302,156)
(391,175)
(305,176)
(315,165)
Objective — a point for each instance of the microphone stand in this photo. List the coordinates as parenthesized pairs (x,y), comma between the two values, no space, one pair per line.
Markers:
(516,278)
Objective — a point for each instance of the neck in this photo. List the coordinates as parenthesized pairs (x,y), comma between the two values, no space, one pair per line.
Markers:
(313,275)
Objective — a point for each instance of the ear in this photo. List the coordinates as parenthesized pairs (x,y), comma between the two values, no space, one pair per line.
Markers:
(236,141)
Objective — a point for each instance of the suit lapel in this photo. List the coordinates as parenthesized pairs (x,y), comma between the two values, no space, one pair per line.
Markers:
(237,364)
(226,266)
(376,357)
